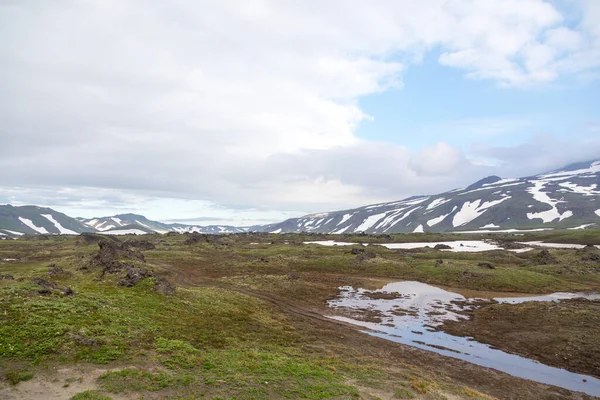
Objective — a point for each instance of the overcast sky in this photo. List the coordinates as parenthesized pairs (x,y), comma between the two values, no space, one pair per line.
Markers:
(253,111)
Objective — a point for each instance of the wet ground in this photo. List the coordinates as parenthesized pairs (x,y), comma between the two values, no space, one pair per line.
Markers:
(412,312)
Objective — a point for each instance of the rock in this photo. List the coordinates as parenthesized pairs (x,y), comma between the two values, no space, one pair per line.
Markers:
(44,283)
(195,237)
(56,271)
(7,277)
(591,257)
(134,275)
(545,258)
(439,263)
(90,238)
(85,341)
(263,259)
(110,254)
(164,286)
(293,276)
(68,291)
(486,265)
(366,256)
(356,251)
(441,246)
(142,244)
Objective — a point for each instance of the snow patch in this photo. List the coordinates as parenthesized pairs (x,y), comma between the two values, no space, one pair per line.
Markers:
(117,220)
(332,243)
(456,246)
(597,213)
(29,223)
(581,227)
(472,210)
(490,226)
(340,231)
(595,167)
(126,232)
(277,231)
(21,233)
(436,203)
(345,218)
(419,229)
(542,197)
(61,229)
(585,190)
(555,245)
(435,221)
(369,222)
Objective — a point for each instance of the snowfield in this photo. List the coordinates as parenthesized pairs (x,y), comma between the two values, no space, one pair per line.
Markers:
(126,232)
(542,197)
(369,222)
(472,210)
(61,229)
(29,223)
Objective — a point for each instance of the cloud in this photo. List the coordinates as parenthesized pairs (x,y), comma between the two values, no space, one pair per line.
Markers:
(248,105)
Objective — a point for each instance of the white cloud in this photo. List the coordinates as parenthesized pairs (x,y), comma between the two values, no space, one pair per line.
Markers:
(251,104)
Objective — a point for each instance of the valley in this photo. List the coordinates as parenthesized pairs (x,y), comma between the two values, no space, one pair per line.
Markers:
(249,315)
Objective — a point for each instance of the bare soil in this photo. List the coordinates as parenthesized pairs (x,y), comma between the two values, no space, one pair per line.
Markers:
(563,334)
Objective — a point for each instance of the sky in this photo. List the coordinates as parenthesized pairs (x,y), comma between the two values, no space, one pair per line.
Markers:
(244,113)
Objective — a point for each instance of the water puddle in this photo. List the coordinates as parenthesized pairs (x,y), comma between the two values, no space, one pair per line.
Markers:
(408,313)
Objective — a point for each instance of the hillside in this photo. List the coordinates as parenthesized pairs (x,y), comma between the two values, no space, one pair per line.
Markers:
(565,198)
(568,198)
(17,221)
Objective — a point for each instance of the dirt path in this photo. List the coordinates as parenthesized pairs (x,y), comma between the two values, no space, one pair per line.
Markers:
(337,334)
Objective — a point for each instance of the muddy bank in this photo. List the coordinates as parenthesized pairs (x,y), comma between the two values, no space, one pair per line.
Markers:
(562,334)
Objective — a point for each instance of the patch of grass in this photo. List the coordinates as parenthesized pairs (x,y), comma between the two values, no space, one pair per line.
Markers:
(14,377)
(133,380)
(404,393)
(422,386)
(91,395)
(177,353)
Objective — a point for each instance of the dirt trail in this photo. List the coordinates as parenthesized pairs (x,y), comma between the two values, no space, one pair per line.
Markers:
(486,380)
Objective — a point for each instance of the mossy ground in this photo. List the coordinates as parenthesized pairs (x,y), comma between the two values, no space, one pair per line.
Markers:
(213,340)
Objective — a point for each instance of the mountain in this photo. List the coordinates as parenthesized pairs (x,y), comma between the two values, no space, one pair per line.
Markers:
(565,198)
(125,222)
(133,223)
(17,221)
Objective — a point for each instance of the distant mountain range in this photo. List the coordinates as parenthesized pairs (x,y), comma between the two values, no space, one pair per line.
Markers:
(568,198)
(18,221)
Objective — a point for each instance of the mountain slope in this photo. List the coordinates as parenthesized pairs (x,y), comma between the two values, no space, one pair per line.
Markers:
(134,222)
(565,198)
(127,221)
(16,221)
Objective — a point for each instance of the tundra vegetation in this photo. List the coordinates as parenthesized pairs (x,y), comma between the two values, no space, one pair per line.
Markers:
(242,316)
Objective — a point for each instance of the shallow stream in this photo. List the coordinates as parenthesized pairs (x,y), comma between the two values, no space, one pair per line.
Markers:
(408,312)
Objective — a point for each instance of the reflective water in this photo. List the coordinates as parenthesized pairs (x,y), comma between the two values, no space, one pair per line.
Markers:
(408,313)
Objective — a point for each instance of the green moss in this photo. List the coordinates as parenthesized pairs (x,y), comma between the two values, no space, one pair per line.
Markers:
(14,377)
(91,395)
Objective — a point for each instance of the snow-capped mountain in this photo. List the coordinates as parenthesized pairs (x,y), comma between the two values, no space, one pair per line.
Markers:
(131,223)
(208,229)
(565,198)
(17,221)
